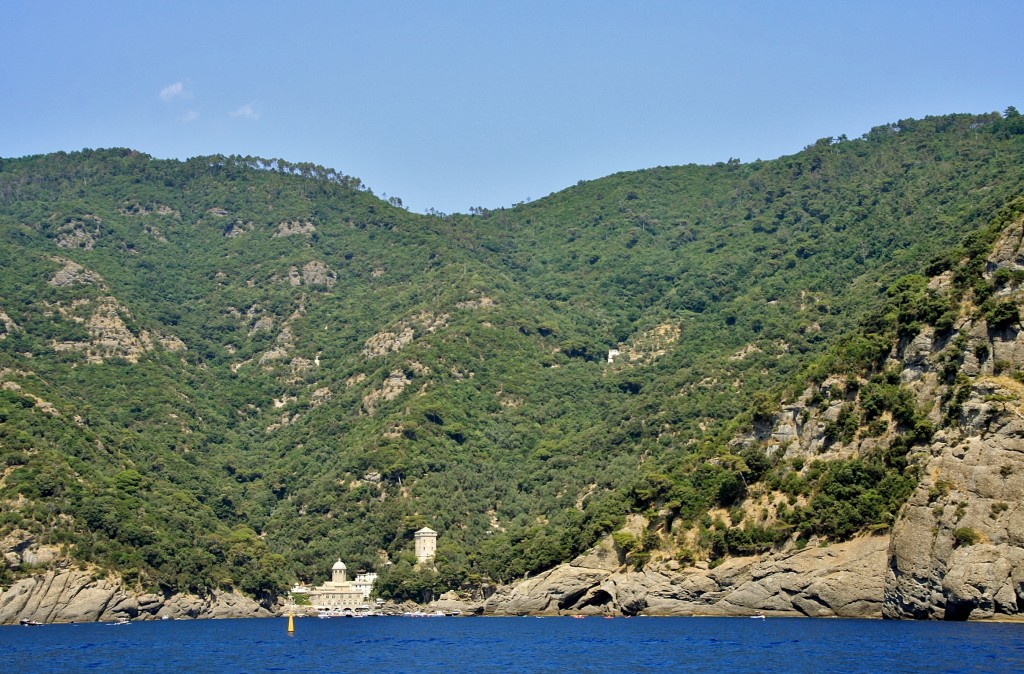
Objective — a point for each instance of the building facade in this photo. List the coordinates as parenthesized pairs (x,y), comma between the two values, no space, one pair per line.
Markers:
(340,592)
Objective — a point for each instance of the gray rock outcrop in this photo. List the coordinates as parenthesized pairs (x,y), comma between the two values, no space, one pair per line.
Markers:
(71,595)
(957,550)
(844,579)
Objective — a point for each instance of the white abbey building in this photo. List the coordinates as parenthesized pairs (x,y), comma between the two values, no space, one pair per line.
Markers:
(339,592)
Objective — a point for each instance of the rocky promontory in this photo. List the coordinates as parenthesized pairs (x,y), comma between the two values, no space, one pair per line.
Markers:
(958,547)
(840,580)
(71,595)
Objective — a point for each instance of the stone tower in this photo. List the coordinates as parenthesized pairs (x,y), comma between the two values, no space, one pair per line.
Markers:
(426,544)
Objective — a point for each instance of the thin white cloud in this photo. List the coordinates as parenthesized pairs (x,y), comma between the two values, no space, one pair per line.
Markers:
(247,111)
(190,116)
(176,90)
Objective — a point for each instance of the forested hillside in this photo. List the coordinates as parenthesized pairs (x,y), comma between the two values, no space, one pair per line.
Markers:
(228,371)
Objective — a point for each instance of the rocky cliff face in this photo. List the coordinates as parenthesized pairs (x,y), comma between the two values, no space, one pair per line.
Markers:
(68,595)
(957,550)
(65,594)
(844,580)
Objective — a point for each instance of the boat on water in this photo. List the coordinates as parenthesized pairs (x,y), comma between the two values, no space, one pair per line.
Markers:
(330,613)
(424,614)
(347,612)
(30,623)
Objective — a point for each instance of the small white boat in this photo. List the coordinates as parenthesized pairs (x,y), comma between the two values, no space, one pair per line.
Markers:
(330,613)
(424,614)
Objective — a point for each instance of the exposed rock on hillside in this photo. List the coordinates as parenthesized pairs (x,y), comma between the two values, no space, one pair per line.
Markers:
(647,346)
(104,318)
(137,209)
(42,405)
(1009,250)
(483,302)
(958,547)
(314,273)
(403,333)
(294,228)
(155,233)
(284,344)
(387,342)
(236,229)
(109,335)
(320,396)
(7,323)
(73,273)
(389,390)
(262,324)
(79,233)
(172,343)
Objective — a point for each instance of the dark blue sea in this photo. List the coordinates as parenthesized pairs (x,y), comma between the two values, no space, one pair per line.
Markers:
(516,645)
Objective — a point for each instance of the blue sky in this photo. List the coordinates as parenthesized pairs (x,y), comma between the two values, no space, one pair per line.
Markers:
(455,104)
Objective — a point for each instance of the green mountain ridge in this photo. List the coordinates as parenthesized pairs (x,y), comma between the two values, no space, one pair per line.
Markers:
(223,372)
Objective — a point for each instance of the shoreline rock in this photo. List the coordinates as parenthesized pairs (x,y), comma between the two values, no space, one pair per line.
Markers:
(70,595)
(840,580)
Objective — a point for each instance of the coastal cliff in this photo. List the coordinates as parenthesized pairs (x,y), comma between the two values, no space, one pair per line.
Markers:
(956,548)
(69,595)
(842,580)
